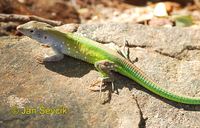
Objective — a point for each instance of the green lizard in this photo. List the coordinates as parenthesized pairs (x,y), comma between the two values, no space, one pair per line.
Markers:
(104,59)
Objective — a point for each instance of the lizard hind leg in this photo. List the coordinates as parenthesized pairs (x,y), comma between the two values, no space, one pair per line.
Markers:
(123,50)
(105,68)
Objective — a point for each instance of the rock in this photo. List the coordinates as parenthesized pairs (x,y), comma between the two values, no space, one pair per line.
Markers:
(170,56)
(160,10)
(25,84)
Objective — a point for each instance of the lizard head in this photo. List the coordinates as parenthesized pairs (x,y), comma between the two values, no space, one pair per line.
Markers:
(38,30)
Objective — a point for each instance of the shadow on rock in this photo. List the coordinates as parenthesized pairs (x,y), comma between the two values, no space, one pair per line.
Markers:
(69,67)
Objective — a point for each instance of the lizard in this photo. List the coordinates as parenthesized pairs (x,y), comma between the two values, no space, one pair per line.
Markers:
(105,59)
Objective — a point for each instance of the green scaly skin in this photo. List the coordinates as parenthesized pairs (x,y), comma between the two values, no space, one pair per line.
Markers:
(90,51)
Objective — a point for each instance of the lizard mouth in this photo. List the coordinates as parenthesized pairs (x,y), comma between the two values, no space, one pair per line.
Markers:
(19,28)
(23,30)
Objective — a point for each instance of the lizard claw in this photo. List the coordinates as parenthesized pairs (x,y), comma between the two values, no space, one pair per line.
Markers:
(101,83)
(97,85)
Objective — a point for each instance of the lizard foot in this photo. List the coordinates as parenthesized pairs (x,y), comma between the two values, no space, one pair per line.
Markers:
(101,83)
(98,85)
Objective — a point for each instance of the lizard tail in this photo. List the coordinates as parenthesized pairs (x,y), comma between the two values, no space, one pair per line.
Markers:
(130,70)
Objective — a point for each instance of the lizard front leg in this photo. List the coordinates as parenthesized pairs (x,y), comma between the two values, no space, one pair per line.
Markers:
(105,68)
(56,57)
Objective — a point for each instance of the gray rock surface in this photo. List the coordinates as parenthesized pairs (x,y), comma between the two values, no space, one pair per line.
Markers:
(25,83)
(170,56)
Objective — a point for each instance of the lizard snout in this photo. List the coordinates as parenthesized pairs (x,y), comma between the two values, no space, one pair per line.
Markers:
(19,28)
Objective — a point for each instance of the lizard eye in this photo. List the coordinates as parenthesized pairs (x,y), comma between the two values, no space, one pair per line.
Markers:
(31,31)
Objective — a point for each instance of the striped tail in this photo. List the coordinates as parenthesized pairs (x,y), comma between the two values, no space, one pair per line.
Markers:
(130,70)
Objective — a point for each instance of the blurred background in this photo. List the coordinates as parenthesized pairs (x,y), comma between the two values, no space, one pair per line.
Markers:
(176,13)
